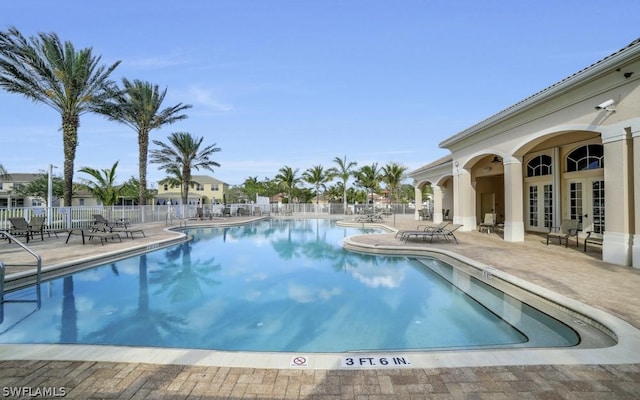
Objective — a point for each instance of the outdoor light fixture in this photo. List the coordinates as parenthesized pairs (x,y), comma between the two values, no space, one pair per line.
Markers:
(496,160)
(607,105)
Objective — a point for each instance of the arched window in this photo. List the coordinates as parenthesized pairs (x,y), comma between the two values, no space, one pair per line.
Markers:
(586,157)
(539,166)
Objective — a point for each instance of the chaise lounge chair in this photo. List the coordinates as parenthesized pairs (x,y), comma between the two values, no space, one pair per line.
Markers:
(421,228)
(39,226)
(568,228)
(447,233)
(20,227)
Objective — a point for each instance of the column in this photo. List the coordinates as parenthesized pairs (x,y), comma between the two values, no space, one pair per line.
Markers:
(635,154)
(513,214)
(437,204)
(418,198)
(464,200)
(618,194)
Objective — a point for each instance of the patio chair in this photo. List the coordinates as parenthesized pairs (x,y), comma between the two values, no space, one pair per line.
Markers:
(447,233)
(103,236)
(421,228)
(128,232)
(488,223)
(39,226)
(568,228)
(226,212)
(423,214)
(100,223)
(20,227)
(445,214)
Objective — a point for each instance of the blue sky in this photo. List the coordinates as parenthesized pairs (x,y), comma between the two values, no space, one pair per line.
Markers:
(297,83)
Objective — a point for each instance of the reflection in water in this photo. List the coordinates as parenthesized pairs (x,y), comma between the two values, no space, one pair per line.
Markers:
(69,318)
(183,280)
(273,286)
(150,327)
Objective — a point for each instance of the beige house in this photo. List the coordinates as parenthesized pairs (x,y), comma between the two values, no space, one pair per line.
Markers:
(570,151)
(9,198)
(207,190)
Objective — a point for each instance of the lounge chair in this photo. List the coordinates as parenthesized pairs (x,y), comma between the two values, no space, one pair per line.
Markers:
(447,233)
(128,232)
(568,228)
(104,228)
(103,236)
(421,228)
(98,218)
(38,225)
(377,217)
(488,223)
(20,227)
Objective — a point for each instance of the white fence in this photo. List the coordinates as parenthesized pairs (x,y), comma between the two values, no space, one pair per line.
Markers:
(76,217)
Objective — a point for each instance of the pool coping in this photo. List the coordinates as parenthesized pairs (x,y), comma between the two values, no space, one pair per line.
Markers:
(624,352)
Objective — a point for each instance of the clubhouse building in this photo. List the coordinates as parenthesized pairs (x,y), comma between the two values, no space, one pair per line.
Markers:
(568,152)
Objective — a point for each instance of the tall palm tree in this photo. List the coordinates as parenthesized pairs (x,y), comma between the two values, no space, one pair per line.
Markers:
(369,177)
(138,106)
(103,186)
(317,177)
(174,179)
(392,175)
(344,170)
(184,153)
(45,70)
(287,179)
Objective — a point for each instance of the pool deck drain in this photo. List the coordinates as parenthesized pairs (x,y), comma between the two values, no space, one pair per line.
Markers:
(89,372)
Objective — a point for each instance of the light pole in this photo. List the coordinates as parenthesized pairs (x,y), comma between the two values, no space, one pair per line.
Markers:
(50,191)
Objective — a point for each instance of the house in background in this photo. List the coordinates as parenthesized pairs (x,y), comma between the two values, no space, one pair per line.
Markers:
(206,190)
(568,152)
(10,183)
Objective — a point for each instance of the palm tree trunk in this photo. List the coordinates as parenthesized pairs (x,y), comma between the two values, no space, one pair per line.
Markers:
(70,142)
(143,145)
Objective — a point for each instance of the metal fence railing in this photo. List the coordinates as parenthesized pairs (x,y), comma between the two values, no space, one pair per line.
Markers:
(82,216)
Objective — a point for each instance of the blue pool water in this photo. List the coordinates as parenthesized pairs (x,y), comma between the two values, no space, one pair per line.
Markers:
(275,285)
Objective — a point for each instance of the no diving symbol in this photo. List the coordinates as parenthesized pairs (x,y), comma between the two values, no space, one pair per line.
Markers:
(299,361)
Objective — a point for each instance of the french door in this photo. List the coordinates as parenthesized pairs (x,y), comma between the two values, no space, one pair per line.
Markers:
(539,210)
(586,203)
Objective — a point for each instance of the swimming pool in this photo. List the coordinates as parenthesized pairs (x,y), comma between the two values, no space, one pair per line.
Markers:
(281,286)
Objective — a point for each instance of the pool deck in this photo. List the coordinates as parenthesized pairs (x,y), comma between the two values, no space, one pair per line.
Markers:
(92,372)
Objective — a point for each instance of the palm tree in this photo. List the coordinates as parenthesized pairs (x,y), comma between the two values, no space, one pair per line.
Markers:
(45,70)
(138,106)
(317,177)
(392,175)
(104,187)
(174,179)
(344,171)
(368,177)
(183,153)
(287,179)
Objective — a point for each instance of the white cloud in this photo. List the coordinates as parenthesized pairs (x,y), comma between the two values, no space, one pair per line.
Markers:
(205,97)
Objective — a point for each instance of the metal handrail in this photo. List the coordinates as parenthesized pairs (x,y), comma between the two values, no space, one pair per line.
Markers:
(28,250)
(2,276)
